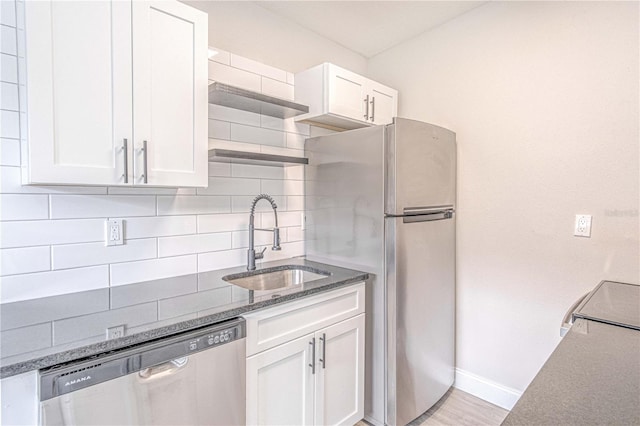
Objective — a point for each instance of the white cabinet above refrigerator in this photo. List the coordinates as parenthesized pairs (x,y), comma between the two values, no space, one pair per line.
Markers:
(339,99)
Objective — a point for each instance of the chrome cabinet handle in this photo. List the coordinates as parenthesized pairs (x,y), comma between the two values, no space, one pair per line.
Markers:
(373,108)
(323,360)
(145,178)
(366,104)
(313,356)
(125,148)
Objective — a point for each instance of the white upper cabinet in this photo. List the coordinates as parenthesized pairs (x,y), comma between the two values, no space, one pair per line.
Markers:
(170,94)
(341,99)
(105,76)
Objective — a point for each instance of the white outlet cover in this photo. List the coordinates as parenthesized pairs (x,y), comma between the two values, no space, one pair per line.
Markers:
(583,226)
(114,232)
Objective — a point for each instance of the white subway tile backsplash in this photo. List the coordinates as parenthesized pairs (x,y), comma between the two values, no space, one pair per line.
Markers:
(9,124)
(24,207)
(9,67)
(232,115)
(81,206)
(283,187)
(225,222)
(24,260)
(287,125)
(221,259)
(9,96)
(234,76)
(46,232)
(288,250)
(154,269)
(255,171)
(145,227)
(295,203)
(8,13)
(231,186)
(277,89)
(294,172)
(243,204)
(258,68)
(10,152)
(237,146)
(89,254)
(285,219)
(219,129)
(43,284)
(257,135)
(240,239)
(219,169)
(281,151)
(295,233)
(10,183)
(191,244)
(295,141)
(186,204)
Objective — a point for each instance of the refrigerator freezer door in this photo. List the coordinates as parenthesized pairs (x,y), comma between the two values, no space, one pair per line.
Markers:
(420,298)
(420,166)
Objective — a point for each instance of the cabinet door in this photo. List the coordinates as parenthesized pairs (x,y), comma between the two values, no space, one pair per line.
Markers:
(340,379)
(78,56)
(170,94)
(347,95)
(384,104)
(280,384)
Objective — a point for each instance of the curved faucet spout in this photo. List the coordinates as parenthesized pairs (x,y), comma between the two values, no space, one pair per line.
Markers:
(251,252)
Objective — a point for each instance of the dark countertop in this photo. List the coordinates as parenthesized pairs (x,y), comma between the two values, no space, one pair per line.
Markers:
(592,378)
(208,300)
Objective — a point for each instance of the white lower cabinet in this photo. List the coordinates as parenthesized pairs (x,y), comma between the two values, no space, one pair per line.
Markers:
(315,379)
(339,397)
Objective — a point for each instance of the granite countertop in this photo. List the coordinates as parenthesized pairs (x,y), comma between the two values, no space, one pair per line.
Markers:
(76,323)
(592,378)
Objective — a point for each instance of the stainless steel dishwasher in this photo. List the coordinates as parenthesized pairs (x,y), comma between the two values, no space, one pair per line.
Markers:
(195,378)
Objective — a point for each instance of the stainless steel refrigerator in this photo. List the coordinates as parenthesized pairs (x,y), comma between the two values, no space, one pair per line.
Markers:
(382,199)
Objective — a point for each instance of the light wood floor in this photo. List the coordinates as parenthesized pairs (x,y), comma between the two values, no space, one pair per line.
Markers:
(457,408)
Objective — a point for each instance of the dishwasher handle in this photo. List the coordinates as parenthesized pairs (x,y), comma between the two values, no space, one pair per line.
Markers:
(163,369)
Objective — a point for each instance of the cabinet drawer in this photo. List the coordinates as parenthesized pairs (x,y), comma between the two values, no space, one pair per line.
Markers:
(274,326)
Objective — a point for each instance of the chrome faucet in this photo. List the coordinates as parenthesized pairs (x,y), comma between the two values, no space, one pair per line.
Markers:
(251,253)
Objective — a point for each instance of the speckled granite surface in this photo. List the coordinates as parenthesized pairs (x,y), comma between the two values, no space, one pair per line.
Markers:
(204,312)
(592,378)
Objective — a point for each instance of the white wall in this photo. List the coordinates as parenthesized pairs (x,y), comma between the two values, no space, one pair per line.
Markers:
(247,29)
(544,99)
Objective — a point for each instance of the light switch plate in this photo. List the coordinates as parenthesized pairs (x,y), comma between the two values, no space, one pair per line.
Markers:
(114,232)
(583,225)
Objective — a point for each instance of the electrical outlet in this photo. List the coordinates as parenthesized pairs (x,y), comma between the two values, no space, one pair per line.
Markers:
(115,332)
(583,225)
(114,232)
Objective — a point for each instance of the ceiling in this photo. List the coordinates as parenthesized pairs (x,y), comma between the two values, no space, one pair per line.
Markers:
(369,27)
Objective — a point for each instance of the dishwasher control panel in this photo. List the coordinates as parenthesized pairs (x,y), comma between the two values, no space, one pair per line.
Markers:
(62,379)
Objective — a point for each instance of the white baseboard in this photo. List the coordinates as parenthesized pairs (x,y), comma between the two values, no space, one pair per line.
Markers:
(482,388)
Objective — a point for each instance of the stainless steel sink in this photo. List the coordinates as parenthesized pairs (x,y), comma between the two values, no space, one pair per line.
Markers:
(275,279)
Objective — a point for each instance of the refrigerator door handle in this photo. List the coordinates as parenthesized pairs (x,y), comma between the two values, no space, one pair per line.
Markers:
(448,214)
(415,211)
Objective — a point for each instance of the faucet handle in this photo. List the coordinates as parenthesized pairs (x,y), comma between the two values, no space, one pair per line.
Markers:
(261,254)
